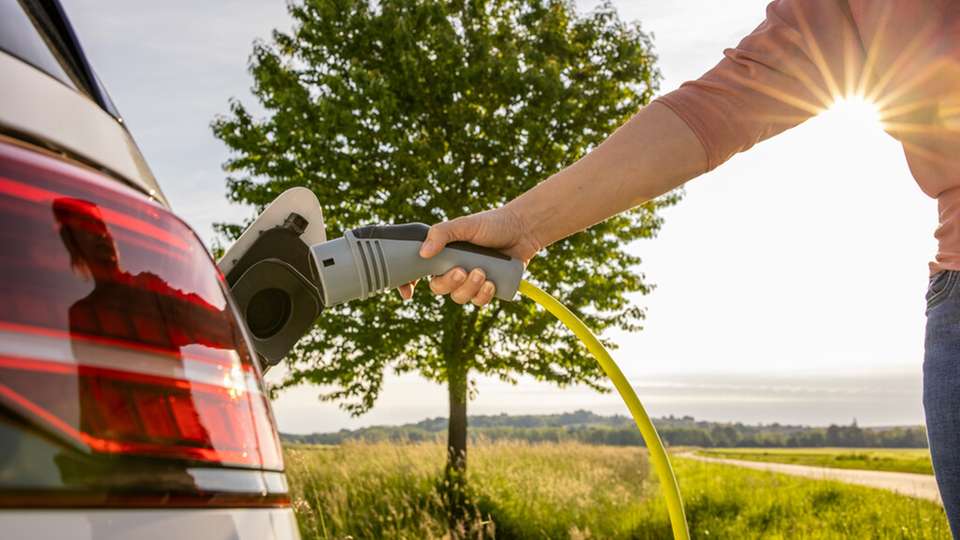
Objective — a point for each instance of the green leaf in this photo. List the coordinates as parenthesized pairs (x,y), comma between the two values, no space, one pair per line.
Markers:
(420,110)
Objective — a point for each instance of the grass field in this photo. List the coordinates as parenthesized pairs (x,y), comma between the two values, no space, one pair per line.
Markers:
(576,491)
(874,459)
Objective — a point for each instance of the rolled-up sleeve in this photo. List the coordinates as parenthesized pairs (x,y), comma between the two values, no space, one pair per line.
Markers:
(794,65)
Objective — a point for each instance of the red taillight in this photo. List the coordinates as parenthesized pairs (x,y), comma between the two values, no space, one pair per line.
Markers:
(115,331)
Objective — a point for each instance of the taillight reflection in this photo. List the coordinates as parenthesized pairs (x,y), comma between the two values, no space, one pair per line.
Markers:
(115,332)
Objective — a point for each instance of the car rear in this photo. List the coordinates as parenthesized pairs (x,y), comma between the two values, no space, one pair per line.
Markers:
(131,405)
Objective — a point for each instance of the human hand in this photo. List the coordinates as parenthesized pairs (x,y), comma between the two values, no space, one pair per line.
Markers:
(501,229)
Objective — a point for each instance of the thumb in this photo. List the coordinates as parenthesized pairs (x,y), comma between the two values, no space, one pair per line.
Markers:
(442,234)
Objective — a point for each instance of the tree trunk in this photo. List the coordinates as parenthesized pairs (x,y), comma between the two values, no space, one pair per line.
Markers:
(457,428)
(456,482)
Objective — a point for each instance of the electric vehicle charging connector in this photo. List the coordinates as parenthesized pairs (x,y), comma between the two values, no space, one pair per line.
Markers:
(282,272)
(370,259)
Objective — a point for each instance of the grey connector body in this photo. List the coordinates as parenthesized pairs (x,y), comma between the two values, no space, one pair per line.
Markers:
(371,259)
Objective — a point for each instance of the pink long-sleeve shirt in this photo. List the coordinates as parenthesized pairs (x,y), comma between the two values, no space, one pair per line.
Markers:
(903,55)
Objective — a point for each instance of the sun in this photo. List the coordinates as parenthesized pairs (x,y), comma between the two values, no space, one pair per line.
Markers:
(854,113)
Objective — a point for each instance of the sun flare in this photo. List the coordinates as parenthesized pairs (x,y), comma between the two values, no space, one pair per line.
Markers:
(855,113)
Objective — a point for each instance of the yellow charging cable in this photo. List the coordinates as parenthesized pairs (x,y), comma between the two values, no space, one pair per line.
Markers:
(661,462)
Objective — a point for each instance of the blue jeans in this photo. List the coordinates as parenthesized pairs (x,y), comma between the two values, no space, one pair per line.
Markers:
(941,388)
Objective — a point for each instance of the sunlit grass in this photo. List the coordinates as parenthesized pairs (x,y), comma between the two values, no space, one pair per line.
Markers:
(911,460)
(725,501)
(570,490)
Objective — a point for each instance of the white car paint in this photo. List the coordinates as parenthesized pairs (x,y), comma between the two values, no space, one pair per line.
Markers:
(214,524)
(42,107)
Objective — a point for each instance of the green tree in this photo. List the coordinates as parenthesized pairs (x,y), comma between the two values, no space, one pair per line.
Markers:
(395,111)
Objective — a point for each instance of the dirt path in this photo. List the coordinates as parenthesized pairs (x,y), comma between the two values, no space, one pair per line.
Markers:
(915,485)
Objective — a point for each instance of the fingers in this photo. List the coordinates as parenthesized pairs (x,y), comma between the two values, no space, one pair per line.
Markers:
(470,288)
(442,234)
(406,290)
(485,295)
(463,287)
(448,282)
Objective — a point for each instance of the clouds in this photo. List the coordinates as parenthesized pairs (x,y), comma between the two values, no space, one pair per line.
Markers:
(886,398)
(171,67)
(690,34)
(805,255)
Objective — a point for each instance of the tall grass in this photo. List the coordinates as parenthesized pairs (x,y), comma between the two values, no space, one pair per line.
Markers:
(367,490)
(911,460)
(576,491)
(725,501)
(561,490)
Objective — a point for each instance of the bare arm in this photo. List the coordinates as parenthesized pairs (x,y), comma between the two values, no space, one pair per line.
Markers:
(651,154)
(788,69)
(648,156)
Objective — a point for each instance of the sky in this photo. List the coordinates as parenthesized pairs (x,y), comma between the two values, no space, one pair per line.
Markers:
(790,281)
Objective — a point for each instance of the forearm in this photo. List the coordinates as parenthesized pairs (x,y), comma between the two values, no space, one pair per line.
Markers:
(648,156)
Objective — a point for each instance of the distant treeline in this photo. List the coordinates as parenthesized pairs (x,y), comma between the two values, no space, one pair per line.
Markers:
(590,428)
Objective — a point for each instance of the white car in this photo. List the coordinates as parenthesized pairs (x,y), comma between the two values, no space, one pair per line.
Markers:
(131,405)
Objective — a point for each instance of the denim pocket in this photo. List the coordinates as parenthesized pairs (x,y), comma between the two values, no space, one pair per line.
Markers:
(940,286)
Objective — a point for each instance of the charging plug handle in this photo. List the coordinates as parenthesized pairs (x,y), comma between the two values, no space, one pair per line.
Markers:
(374,258)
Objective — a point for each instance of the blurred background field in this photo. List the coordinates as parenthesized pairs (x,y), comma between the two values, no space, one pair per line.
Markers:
(909,460)
(572,490)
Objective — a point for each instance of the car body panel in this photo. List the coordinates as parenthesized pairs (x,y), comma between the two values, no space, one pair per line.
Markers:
(215,524)
(44,109)
(77,123)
